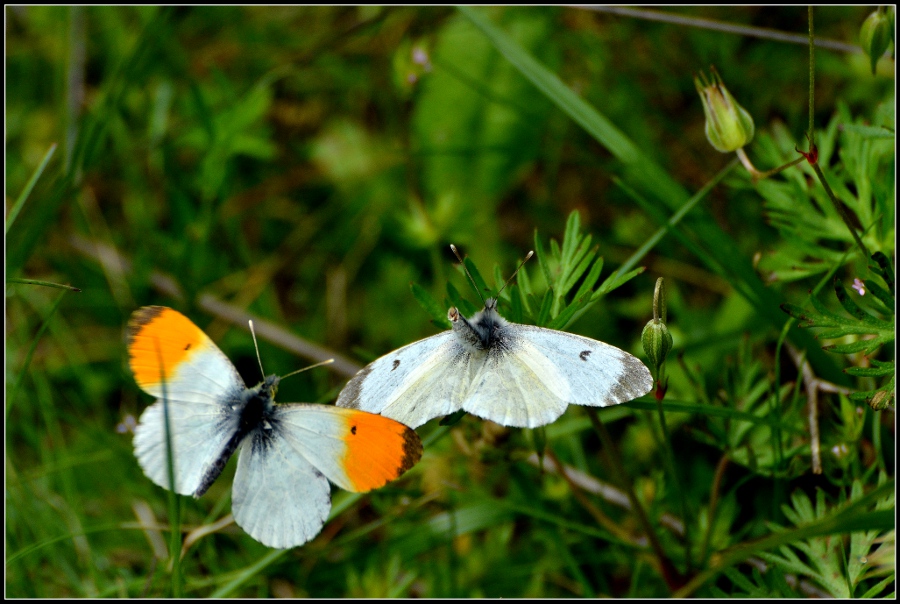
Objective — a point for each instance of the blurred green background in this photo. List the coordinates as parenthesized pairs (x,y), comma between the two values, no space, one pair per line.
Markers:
(305,165)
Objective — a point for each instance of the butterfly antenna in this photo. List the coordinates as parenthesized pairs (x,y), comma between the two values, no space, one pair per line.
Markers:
(310,367)
(465,268)
(516,272)
(255,345)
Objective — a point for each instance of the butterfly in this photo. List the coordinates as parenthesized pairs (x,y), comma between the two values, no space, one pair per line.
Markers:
(288,452)
(515,375)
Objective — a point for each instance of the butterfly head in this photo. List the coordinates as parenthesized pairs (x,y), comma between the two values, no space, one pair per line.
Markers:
(267,388)
(484,331)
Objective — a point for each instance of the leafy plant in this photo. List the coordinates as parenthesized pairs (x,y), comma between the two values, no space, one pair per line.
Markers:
(812,234)
(860,323)
(827,560)
(566,266)
(769,584)
(775,442)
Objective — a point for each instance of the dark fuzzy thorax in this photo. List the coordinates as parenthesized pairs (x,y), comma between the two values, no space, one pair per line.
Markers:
(255,413)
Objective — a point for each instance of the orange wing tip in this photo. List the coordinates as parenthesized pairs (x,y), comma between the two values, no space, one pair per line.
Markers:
(158,332)
(378,451)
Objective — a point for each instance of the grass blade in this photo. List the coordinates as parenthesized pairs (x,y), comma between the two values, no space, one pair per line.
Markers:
(23,196)
(34,343)
(44,283)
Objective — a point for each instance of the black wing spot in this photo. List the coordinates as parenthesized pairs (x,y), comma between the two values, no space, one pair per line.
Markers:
(187,346)
(396,364)
(584,355)
(353,430)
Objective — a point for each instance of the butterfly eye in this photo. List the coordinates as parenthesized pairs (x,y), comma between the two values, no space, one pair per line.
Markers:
(453,314)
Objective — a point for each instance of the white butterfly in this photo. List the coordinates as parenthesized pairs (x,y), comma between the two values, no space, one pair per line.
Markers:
(512,374)
(288,452)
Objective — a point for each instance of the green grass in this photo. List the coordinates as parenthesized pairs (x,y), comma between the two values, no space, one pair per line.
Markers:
(305,166)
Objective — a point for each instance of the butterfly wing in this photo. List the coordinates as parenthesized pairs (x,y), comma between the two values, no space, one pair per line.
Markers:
(423,380)
(529,381)
(518,386)
(356,450)
(201,385)
(597,374)
(278,497)
(281,496)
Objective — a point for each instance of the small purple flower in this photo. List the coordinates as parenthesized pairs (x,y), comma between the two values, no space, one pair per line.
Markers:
(420,57)
(128,424)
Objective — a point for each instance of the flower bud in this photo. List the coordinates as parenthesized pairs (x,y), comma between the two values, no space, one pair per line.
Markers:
(656,339)
(876,33)
(728,125)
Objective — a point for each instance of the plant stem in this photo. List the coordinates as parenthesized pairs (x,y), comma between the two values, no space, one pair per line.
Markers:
(739,29)
(876,441)
(748,165)
(713,502)
(175,547)
(842,212)
(812,80)
(670,574)
(670,466)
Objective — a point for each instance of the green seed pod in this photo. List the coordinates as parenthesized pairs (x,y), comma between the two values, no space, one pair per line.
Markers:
(656,339)
(728,125)
(876,33)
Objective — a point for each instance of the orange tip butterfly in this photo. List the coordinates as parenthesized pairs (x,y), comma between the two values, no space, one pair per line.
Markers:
(288,452)
(515,375)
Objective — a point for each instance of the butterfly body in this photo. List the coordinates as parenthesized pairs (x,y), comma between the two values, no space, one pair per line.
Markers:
(254,409)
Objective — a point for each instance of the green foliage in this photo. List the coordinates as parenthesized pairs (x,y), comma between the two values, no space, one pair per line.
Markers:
(771,445)
(564,268)
(490,133)
(827,560)
(772,584)
(280,162)
(568,265)
(860,322)
(812,233)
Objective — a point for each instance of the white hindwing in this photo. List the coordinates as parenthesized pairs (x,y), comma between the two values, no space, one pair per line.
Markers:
(316,433)
(200,395)
(278,497)
(520,387)
(413,384)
